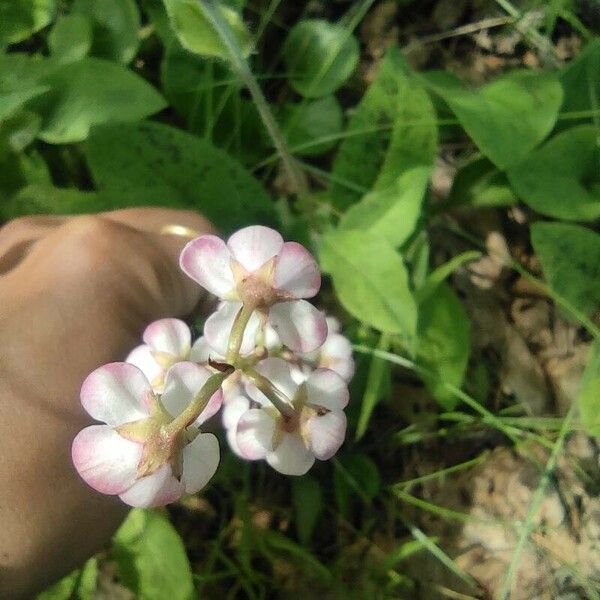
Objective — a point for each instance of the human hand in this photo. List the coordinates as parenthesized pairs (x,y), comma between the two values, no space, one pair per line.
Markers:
(75,293)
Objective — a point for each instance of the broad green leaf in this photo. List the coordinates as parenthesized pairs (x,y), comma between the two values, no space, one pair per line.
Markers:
(21,18)
(570,258)
(506,118)
(115,27)
(562,178)
(18,170)
(151,558)
(392,212)
(588,398)
(71,37)
(90,92)
(356,477)
(480,184)
(44,198)
(370,280)
(308,122)
(307,499)
(20,80)
(319,57)
(19,131)
(443,344)
(379,374)
(392,129)
(155,163)
(196,33)
(581,84)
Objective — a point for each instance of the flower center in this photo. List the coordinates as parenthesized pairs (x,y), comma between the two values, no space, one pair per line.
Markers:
(256,292)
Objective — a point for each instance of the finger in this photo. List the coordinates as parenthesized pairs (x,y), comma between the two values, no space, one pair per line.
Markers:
(17,236)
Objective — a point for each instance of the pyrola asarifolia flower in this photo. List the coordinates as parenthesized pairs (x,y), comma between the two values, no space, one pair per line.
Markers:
(314,426)
(258,269)
(166,342)
(335,353)
(130,455)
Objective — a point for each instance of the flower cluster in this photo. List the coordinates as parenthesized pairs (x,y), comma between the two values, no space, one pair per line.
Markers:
(275,365)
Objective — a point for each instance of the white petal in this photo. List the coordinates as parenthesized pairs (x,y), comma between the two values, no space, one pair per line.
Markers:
(326,388)
(207,260)
(231,436)
(200,462)
(326,433)
(183,383)
(333,325)
(201,351)
(158,489)
(255,431)
(291,457)
(296,271)
(116,393)
(105,460)
(169,335)
(278,372)
(233,409)
(218,328)
(336,354)
(300,326)
(253,246)
(143,359)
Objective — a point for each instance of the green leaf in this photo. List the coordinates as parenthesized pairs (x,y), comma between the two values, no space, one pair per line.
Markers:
(480,184)
(80,584)
(21,18)
(393,212)
(319,57)
(562,178)
(570,258)
(20,76)
(209,96)
(18,170)
(506,118)
(439,275)
(392,129)
(71,37)
(19,131)
(305,123)
(443,345)
(588,398)
(151,558)
(307,500)
(115,27)
(196,33)
(581,84)
(370,280)
(379,374)
(44,198)
(155,163)
(356,476)
(90,92)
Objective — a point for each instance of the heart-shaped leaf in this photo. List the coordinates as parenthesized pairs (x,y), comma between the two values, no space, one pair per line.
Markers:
(562,178)
(506,118)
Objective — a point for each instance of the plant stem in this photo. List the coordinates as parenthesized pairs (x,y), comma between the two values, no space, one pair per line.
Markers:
(236,337)
(240,65)
(276,396)
(197,405)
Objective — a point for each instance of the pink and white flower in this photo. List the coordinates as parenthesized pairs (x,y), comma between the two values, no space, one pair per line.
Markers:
(166,342)
(258,269)
(130,455)
(335,353)
(314,427)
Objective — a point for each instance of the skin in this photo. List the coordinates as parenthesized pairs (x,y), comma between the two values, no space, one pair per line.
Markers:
(75,293)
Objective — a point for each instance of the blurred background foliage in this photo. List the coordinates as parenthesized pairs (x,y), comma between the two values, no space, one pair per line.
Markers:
(442,159)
